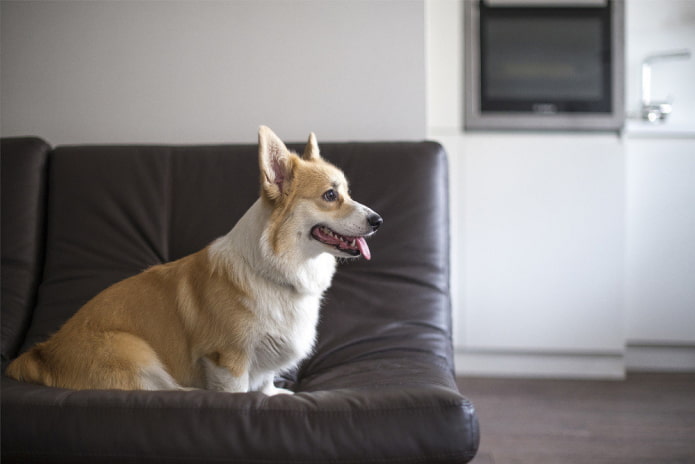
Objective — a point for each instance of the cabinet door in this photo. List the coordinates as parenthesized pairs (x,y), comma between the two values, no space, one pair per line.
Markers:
(543,243)
(660,261)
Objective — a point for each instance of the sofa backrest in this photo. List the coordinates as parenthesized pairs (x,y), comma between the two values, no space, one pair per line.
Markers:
(113,211)
(24,170)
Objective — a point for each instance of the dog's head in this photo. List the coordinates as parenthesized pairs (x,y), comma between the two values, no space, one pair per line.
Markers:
(311,204)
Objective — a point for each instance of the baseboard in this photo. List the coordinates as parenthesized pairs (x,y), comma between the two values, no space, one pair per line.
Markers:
(660,358)
(540,365)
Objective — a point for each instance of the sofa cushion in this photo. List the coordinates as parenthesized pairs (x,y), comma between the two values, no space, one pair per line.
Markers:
(379,385)
(352,424)
(24,169)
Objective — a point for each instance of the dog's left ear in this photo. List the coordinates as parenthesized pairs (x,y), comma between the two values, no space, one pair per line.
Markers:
(275,163)
(311,152)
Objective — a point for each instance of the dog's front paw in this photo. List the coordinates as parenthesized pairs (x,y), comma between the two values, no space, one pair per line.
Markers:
(273,390)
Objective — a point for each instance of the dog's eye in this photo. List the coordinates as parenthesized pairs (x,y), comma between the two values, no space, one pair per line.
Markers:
(330,195)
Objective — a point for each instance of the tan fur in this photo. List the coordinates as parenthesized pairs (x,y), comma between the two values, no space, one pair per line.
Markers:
(227,317)
(107,342)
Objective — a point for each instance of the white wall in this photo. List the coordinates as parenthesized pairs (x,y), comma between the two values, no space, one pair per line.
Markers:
(655,26)
(205,72)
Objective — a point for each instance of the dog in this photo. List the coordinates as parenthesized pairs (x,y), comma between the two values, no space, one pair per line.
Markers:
(231,316)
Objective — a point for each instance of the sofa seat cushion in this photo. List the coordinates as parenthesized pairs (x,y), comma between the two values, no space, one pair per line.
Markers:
(343,421)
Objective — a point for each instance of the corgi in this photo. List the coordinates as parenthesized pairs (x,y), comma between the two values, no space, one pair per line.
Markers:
(231,316)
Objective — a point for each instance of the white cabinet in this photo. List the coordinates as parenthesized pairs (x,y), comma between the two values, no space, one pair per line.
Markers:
(568,250)
(573,254)
(537,253)
(660,257)
(543,243)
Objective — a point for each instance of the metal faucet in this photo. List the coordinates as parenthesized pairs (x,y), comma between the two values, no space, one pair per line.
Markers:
(657,111)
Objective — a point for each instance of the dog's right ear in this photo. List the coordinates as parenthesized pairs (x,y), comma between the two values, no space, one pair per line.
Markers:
(274,161)
(311,152)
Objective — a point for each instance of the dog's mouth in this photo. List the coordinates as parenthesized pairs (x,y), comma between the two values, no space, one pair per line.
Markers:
(353,246)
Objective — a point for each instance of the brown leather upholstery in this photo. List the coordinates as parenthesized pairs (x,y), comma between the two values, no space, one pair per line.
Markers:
(379,386)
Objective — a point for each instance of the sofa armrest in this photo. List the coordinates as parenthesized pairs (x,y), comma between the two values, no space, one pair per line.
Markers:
(24,174)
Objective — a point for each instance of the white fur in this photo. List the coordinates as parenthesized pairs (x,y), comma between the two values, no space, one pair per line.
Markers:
(220,379)
(155,377)
(286,293)
(354,224)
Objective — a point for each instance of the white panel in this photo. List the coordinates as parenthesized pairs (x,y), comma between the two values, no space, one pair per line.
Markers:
(444,65)
(544,242)
(660,269)
(201,72)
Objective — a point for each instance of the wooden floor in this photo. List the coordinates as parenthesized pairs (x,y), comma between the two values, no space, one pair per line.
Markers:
(648,418)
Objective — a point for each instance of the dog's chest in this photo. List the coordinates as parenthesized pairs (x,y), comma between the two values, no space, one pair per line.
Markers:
(287,330)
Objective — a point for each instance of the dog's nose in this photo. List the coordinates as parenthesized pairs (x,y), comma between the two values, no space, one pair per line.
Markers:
(374,221)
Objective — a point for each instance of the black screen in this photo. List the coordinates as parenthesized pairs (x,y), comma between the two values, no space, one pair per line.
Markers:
(545,59)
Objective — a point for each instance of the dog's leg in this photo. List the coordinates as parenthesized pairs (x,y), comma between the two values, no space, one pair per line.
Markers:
(155,377)
(267,386)
(220,378)
(132,364)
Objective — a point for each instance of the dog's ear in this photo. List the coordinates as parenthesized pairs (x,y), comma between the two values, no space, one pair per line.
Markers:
(274,160)
(311,152)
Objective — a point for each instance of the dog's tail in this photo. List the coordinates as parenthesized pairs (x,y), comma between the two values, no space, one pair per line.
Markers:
(30,367)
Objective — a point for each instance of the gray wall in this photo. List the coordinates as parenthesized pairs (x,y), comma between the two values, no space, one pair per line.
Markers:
(205,72)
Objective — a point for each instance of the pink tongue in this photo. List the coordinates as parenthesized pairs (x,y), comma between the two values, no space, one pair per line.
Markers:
(364,249)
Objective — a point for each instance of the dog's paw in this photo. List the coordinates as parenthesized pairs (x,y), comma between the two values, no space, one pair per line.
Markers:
(273,390)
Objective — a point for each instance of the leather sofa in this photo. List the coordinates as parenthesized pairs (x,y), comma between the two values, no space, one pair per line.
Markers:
(379,387)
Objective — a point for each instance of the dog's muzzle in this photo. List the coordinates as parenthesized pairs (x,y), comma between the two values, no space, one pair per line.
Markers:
(350,245)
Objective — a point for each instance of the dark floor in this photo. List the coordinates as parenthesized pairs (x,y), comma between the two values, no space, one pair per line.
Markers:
(648,418)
